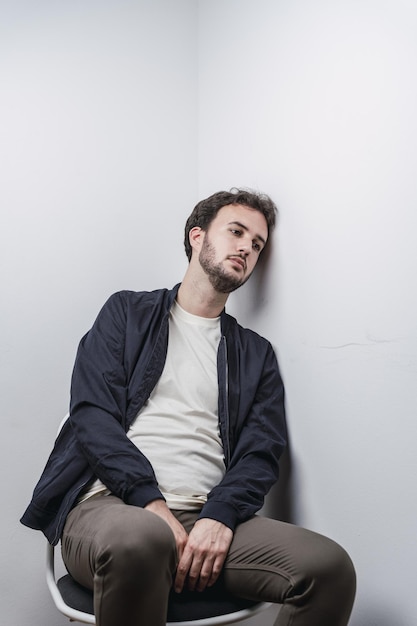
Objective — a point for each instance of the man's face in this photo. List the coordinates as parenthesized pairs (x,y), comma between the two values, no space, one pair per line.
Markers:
(232,245)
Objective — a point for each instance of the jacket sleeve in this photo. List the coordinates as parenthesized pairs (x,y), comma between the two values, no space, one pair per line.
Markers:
(253,467)
(98,408)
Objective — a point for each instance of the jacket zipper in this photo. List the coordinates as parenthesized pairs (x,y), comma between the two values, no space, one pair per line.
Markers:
(224,404)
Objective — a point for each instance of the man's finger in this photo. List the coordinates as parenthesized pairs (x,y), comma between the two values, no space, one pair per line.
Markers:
(210,572)
(182,570)
(200,573)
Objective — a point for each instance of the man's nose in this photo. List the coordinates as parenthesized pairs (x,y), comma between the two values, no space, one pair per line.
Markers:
(244,247)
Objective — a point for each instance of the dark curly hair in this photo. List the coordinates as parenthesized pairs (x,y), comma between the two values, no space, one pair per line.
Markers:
(206,210)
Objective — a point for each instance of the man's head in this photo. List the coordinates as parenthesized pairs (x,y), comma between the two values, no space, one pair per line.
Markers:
(206,210)
(225,236)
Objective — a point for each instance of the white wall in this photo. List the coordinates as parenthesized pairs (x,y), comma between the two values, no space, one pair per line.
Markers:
(98,172)
(314,103)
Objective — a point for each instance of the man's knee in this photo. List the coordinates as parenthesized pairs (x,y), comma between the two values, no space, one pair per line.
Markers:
(333,560)
(328,566)
(337,565)
(141,545)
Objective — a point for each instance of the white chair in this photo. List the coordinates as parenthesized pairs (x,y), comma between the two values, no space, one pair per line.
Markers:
(211,609)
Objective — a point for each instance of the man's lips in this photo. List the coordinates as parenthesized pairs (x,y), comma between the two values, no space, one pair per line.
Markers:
(237,260)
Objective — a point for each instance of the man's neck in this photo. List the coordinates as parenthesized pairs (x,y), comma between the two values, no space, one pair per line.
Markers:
(199,298)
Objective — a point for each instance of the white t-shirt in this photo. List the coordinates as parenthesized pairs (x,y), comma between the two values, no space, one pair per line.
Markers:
(177,429)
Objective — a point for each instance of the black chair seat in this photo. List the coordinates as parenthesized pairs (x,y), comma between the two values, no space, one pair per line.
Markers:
(182,607)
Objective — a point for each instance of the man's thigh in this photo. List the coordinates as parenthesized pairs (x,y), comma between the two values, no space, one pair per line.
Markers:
(105,524)
(269,559)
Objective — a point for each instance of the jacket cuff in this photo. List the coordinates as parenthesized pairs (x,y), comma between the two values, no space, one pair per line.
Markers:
(141,496)
(221,512)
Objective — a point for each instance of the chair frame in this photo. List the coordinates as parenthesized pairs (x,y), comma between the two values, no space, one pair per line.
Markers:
(75,615)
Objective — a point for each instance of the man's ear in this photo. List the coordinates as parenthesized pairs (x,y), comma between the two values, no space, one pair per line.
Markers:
(196,238)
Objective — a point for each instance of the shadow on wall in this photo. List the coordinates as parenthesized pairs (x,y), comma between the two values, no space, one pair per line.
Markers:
(280,502)
(259,284)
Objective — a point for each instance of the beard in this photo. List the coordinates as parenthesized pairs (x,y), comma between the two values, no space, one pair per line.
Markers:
(220,280)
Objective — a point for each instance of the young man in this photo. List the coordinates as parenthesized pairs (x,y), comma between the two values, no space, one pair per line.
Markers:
(175,431)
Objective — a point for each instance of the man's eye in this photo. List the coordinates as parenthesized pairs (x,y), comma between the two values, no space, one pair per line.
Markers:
(256,246)
(236,232)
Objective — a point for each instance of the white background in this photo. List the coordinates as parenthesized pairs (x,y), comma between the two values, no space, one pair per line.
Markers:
(116,117)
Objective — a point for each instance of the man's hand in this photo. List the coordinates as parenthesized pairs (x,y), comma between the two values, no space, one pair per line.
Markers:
(159,507)
(203,556)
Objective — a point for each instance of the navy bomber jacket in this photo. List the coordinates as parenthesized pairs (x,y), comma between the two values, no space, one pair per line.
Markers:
(118,363)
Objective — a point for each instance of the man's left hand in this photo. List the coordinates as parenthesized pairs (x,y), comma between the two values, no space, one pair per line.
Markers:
(204,554)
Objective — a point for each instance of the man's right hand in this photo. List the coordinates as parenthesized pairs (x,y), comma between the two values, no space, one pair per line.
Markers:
(159,507)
